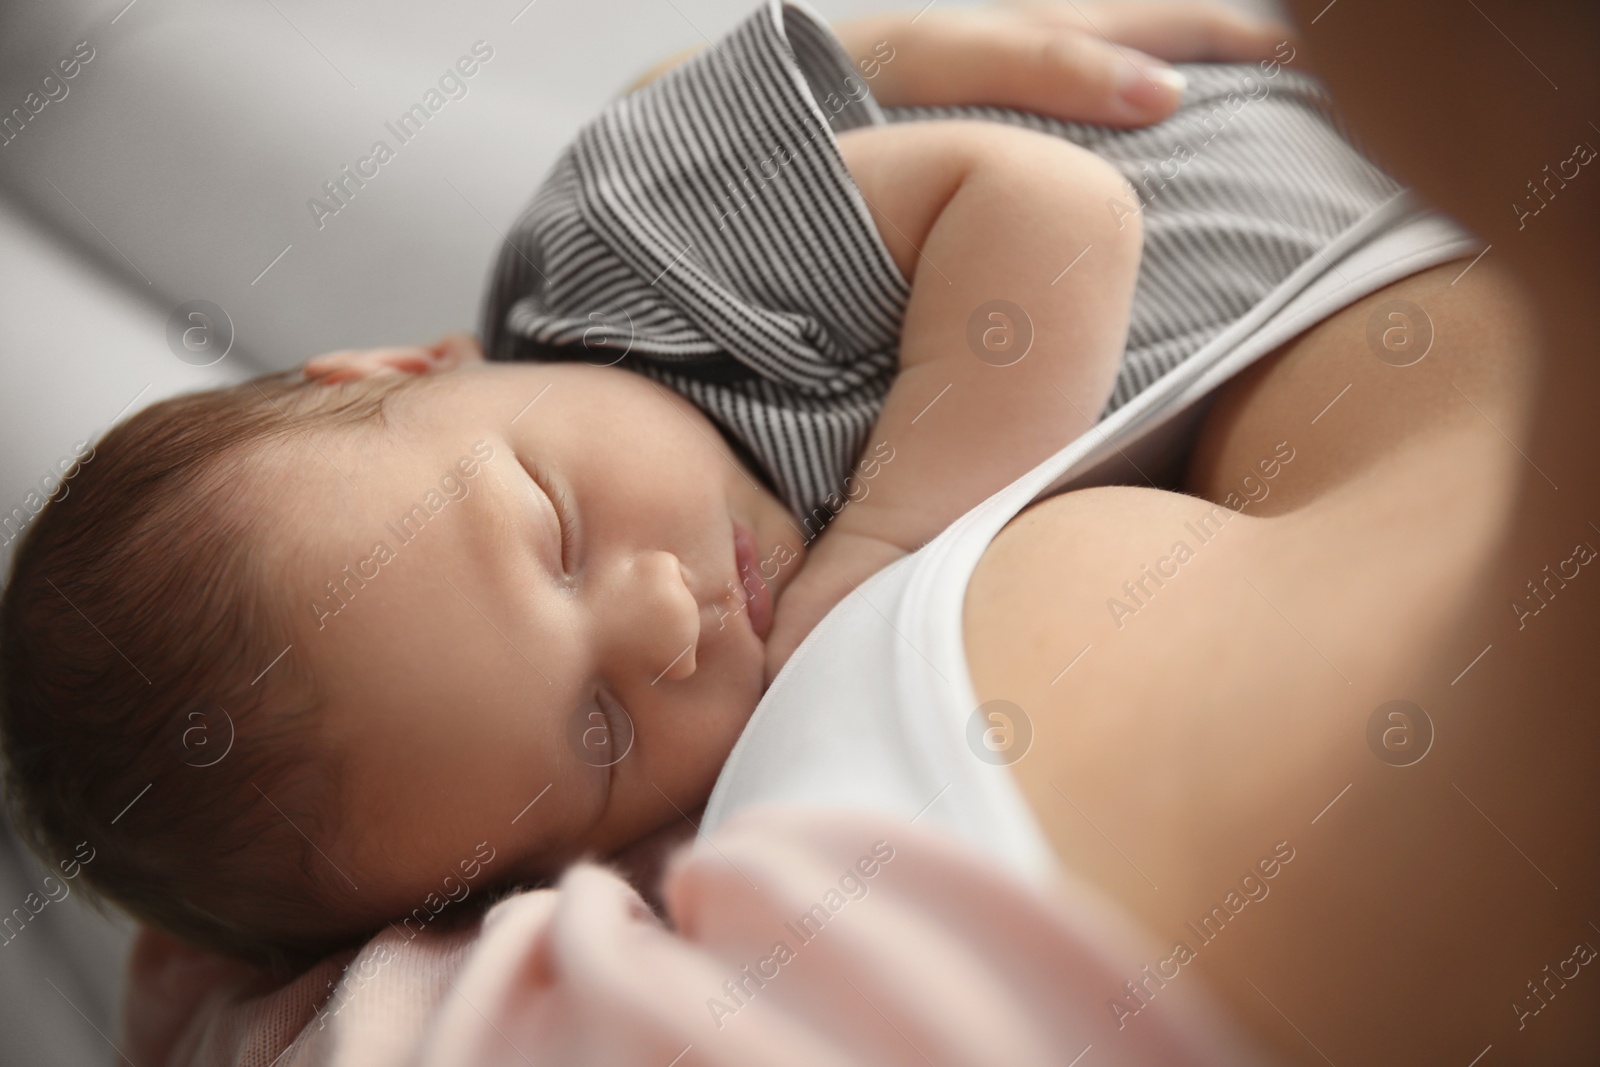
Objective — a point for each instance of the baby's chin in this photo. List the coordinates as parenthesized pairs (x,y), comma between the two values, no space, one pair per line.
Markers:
(644,861)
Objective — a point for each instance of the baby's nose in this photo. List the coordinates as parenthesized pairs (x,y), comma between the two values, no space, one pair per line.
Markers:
(654,619)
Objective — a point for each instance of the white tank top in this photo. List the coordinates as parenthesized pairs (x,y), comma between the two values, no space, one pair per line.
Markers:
(876,711)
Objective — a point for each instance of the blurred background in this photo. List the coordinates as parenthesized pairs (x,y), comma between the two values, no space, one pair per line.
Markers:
(175,166)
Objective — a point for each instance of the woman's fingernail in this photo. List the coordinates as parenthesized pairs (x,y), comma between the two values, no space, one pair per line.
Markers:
(1149,86)
(1172,78)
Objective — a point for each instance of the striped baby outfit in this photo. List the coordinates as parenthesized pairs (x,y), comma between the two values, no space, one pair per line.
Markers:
(704,231)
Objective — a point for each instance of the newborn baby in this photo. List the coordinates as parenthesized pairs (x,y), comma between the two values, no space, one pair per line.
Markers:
(296,656)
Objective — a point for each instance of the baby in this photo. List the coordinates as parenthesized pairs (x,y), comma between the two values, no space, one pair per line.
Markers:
(305,655)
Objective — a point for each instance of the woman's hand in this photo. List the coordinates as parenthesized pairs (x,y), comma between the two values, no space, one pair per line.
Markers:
(450,351)
(1099,63)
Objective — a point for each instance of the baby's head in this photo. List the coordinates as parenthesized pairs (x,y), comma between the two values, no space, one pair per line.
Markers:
(295,655)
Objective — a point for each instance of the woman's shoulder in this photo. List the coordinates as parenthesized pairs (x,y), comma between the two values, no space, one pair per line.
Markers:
(1295,466)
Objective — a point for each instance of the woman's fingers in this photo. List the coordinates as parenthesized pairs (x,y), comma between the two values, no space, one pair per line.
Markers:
(1014,58)
(1079,62)
(347,364)
(1084,63)
(454,349)
(1179,32)
(1191,33)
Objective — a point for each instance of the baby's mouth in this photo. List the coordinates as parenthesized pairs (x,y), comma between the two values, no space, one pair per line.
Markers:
(752,589)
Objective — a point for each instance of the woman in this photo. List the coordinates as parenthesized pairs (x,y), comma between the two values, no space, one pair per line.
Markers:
(1401,552)
(1229,708)
(1404,554)
(1200,683)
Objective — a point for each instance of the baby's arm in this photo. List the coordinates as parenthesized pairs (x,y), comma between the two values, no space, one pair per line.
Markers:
(975,213)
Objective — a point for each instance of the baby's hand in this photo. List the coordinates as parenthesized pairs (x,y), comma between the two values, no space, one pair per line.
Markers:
(835,565)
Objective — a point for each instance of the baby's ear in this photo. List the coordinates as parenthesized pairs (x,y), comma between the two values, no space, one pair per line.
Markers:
(350,364)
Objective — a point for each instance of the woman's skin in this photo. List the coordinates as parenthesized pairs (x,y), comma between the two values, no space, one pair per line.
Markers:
(1223,718)
(1231,712)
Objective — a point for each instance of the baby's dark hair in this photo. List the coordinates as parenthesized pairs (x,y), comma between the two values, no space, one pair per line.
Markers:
(140,637)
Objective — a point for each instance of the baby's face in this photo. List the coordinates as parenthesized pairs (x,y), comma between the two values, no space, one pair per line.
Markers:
(488,679)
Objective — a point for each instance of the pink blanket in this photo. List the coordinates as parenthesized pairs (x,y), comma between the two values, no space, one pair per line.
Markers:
(797,938)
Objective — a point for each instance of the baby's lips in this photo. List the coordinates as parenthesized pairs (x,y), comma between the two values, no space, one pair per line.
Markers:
(753,588)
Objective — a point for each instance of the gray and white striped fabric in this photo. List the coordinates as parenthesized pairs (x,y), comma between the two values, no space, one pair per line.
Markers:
(705,232)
